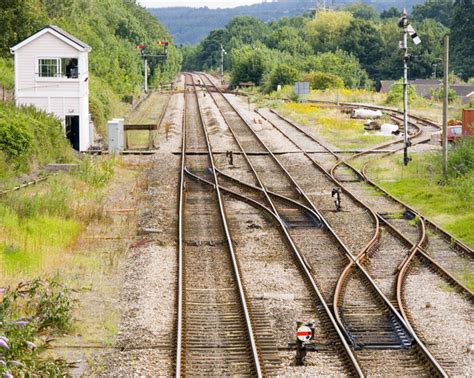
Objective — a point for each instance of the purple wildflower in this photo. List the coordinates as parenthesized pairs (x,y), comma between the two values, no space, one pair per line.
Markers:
(21,322)
(16,363)
(31,345)
(4,344)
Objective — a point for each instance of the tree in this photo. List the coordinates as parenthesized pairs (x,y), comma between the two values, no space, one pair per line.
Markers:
(288,39)
(19,19)
(342,64)
(248,64)
(439,10)
(430,51)
(462,38)
(281,74)
(324,31)
(363,40)
(361,10)
(324,80)
(247,30)
(390,13)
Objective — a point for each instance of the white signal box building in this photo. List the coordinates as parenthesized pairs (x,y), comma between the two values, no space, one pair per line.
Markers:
(52,74)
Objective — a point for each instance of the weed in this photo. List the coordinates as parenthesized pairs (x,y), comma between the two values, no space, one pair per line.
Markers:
(96,173)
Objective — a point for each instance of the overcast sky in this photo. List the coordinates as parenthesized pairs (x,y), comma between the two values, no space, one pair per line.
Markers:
(196,3)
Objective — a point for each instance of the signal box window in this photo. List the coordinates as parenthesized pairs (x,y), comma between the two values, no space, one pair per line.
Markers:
(59,67)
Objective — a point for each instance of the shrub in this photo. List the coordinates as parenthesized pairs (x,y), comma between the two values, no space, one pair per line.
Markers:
(395,95)
(461,158)
(438,94)
(324,80)
(96,173)
(282,74)
(15,138)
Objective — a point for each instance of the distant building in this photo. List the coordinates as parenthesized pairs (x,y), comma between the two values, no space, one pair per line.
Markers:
(426,87)
(51,73)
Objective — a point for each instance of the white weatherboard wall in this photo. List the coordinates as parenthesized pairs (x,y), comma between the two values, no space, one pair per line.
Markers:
(58,95)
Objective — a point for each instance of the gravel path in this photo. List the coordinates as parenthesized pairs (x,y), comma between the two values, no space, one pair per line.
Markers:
(145,344)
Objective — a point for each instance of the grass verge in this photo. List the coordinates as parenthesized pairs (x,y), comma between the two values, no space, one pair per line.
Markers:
(334,126)
(420,184)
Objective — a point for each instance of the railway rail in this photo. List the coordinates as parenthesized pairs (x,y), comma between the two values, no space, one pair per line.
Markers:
(215,334)
(445,245)
(387,265)
(332,333)
(427,361)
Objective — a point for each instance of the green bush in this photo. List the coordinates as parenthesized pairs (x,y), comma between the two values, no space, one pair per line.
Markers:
(438,94)
(324,80)
(281,74)
(7,77)
(395,95)
(96,173)
(29,136)
(461,158)
(15,137)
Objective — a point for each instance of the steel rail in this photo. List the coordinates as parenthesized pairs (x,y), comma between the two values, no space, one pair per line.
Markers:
(300,258)
(179,332)
(404,267)
(463,248)
(248,322)
(419,245)
(355,261)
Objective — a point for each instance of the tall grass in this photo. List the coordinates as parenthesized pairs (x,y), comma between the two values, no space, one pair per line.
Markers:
(39,225)
(449,202)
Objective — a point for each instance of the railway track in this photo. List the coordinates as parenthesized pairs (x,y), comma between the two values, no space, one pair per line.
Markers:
(426,363)
(338,353)
(215,335)
(388,263)
(448,255)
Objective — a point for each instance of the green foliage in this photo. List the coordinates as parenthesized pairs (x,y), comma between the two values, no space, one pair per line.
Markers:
(324,32)
(248,64)
(324,80)
(363,11)
(395,95)
(391,12)
(96,173)
(281,74)
(461,158)
(363,40)
(462,38)
(38,307)
(439,10)
(438,94)
(15,137)
(30,136)
(7,77)
(342,64)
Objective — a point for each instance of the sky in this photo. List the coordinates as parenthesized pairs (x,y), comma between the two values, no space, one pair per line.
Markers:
(196,3)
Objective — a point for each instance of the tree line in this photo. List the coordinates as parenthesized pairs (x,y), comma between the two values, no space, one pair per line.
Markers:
(355,46)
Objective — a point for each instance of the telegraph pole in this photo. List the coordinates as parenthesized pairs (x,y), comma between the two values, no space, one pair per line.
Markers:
(445,105)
